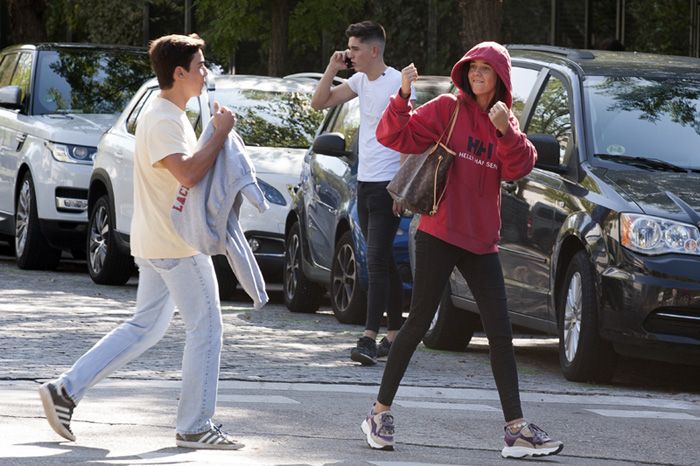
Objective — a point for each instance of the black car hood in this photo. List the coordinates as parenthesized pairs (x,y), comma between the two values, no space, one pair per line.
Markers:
(662,194)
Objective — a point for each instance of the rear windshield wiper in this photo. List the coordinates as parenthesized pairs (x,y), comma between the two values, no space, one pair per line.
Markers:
(644,162)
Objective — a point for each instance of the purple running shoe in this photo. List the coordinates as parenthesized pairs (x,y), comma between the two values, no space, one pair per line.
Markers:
(530,440)
(379,429)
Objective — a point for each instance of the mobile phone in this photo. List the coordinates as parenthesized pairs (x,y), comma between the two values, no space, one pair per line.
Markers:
(348,63)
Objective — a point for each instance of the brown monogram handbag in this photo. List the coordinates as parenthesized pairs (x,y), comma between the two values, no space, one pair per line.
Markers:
(420,182)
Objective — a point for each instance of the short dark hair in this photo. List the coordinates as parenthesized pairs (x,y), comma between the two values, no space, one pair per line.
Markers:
(366,31)
(169,52)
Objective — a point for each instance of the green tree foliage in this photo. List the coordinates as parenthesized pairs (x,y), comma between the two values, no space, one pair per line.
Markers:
(96,21)
(112,21)
(429,33)
(660,26)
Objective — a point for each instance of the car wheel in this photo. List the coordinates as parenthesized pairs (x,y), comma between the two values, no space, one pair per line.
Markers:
(452,328)
(106,264)
(348,299)
(31,248)
(583,355)
(300,294)
(224,277)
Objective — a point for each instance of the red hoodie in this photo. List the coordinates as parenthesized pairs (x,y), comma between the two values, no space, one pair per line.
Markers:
(469,213)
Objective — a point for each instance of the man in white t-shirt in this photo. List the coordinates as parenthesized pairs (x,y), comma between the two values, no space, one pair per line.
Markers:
(374,82)
(171,273)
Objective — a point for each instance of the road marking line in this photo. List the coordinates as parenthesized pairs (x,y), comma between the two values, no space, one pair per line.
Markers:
(404,463)
(644,414)
(450,406)
(257,399)
(419,392)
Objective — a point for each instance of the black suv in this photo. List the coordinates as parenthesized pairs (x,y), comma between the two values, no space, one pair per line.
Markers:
(600,243)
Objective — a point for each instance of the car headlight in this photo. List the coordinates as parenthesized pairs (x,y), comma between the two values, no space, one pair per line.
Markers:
(271,194)
(71,153)
(653,235)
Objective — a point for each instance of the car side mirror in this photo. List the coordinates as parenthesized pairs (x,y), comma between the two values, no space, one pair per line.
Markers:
(547,148)
(11,97)
(332,144)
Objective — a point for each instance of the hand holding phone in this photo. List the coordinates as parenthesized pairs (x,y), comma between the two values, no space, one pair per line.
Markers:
(348,62)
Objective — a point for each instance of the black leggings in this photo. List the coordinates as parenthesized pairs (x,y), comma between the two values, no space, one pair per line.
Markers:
(435,260)
(379,224)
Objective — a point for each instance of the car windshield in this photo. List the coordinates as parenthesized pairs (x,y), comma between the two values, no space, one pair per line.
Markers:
(88,80)
(649,118)
(269,118)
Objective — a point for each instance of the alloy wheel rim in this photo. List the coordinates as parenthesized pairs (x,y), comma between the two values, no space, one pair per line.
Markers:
(433,323)
(99,235)
(292,266)
(572,317)
(22,218)
(344,278)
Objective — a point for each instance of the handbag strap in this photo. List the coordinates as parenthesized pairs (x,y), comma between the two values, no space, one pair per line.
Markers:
(453,120)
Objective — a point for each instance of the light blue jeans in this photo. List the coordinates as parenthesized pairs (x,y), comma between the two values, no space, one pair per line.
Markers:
(190,284)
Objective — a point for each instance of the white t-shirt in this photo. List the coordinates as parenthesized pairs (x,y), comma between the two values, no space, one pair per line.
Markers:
(376,162)
(162,130)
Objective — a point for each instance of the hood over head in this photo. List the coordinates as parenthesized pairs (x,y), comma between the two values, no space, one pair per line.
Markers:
(492,53)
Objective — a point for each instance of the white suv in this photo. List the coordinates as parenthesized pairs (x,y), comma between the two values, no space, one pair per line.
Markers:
(277,123)
(56,100)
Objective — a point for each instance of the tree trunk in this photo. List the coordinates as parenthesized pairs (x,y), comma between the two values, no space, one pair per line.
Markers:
(431,61)
(481,20)
(277,60)
(27,21)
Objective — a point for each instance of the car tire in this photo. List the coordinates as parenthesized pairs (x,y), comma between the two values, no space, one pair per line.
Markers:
(300,294)
(32,250)
(106,264)
(452,328)
(348,299)
(225,277)
(583,355)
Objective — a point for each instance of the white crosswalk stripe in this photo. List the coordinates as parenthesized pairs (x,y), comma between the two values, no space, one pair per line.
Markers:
(447,398)
(644,414)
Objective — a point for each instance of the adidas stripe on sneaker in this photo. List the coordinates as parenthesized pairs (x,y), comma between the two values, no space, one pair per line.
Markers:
(212,439)
(58,407)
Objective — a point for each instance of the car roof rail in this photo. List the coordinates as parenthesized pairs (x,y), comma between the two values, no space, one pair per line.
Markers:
(574,54)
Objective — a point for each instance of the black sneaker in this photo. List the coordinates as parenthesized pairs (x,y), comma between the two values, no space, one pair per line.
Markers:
(365,352)
(58,407)
(383,348)
(212,439)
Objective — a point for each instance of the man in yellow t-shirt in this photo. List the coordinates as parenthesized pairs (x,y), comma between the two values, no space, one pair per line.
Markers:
(171,273)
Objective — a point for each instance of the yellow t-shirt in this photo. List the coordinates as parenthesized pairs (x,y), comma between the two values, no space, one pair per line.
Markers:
(162,130)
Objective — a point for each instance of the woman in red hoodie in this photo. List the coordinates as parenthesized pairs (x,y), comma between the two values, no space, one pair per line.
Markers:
(464,232)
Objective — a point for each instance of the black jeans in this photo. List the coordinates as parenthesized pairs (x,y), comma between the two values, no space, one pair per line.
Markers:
(435,260)
(379,224)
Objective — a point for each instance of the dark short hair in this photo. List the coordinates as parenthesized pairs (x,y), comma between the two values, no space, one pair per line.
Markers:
(169,52)
(366,31)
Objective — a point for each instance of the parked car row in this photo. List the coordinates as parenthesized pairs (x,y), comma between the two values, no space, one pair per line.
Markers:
(600,243)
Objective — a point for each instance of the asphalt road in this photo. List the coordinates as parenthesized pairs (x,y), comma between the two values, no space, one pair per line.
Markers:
(290,392)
